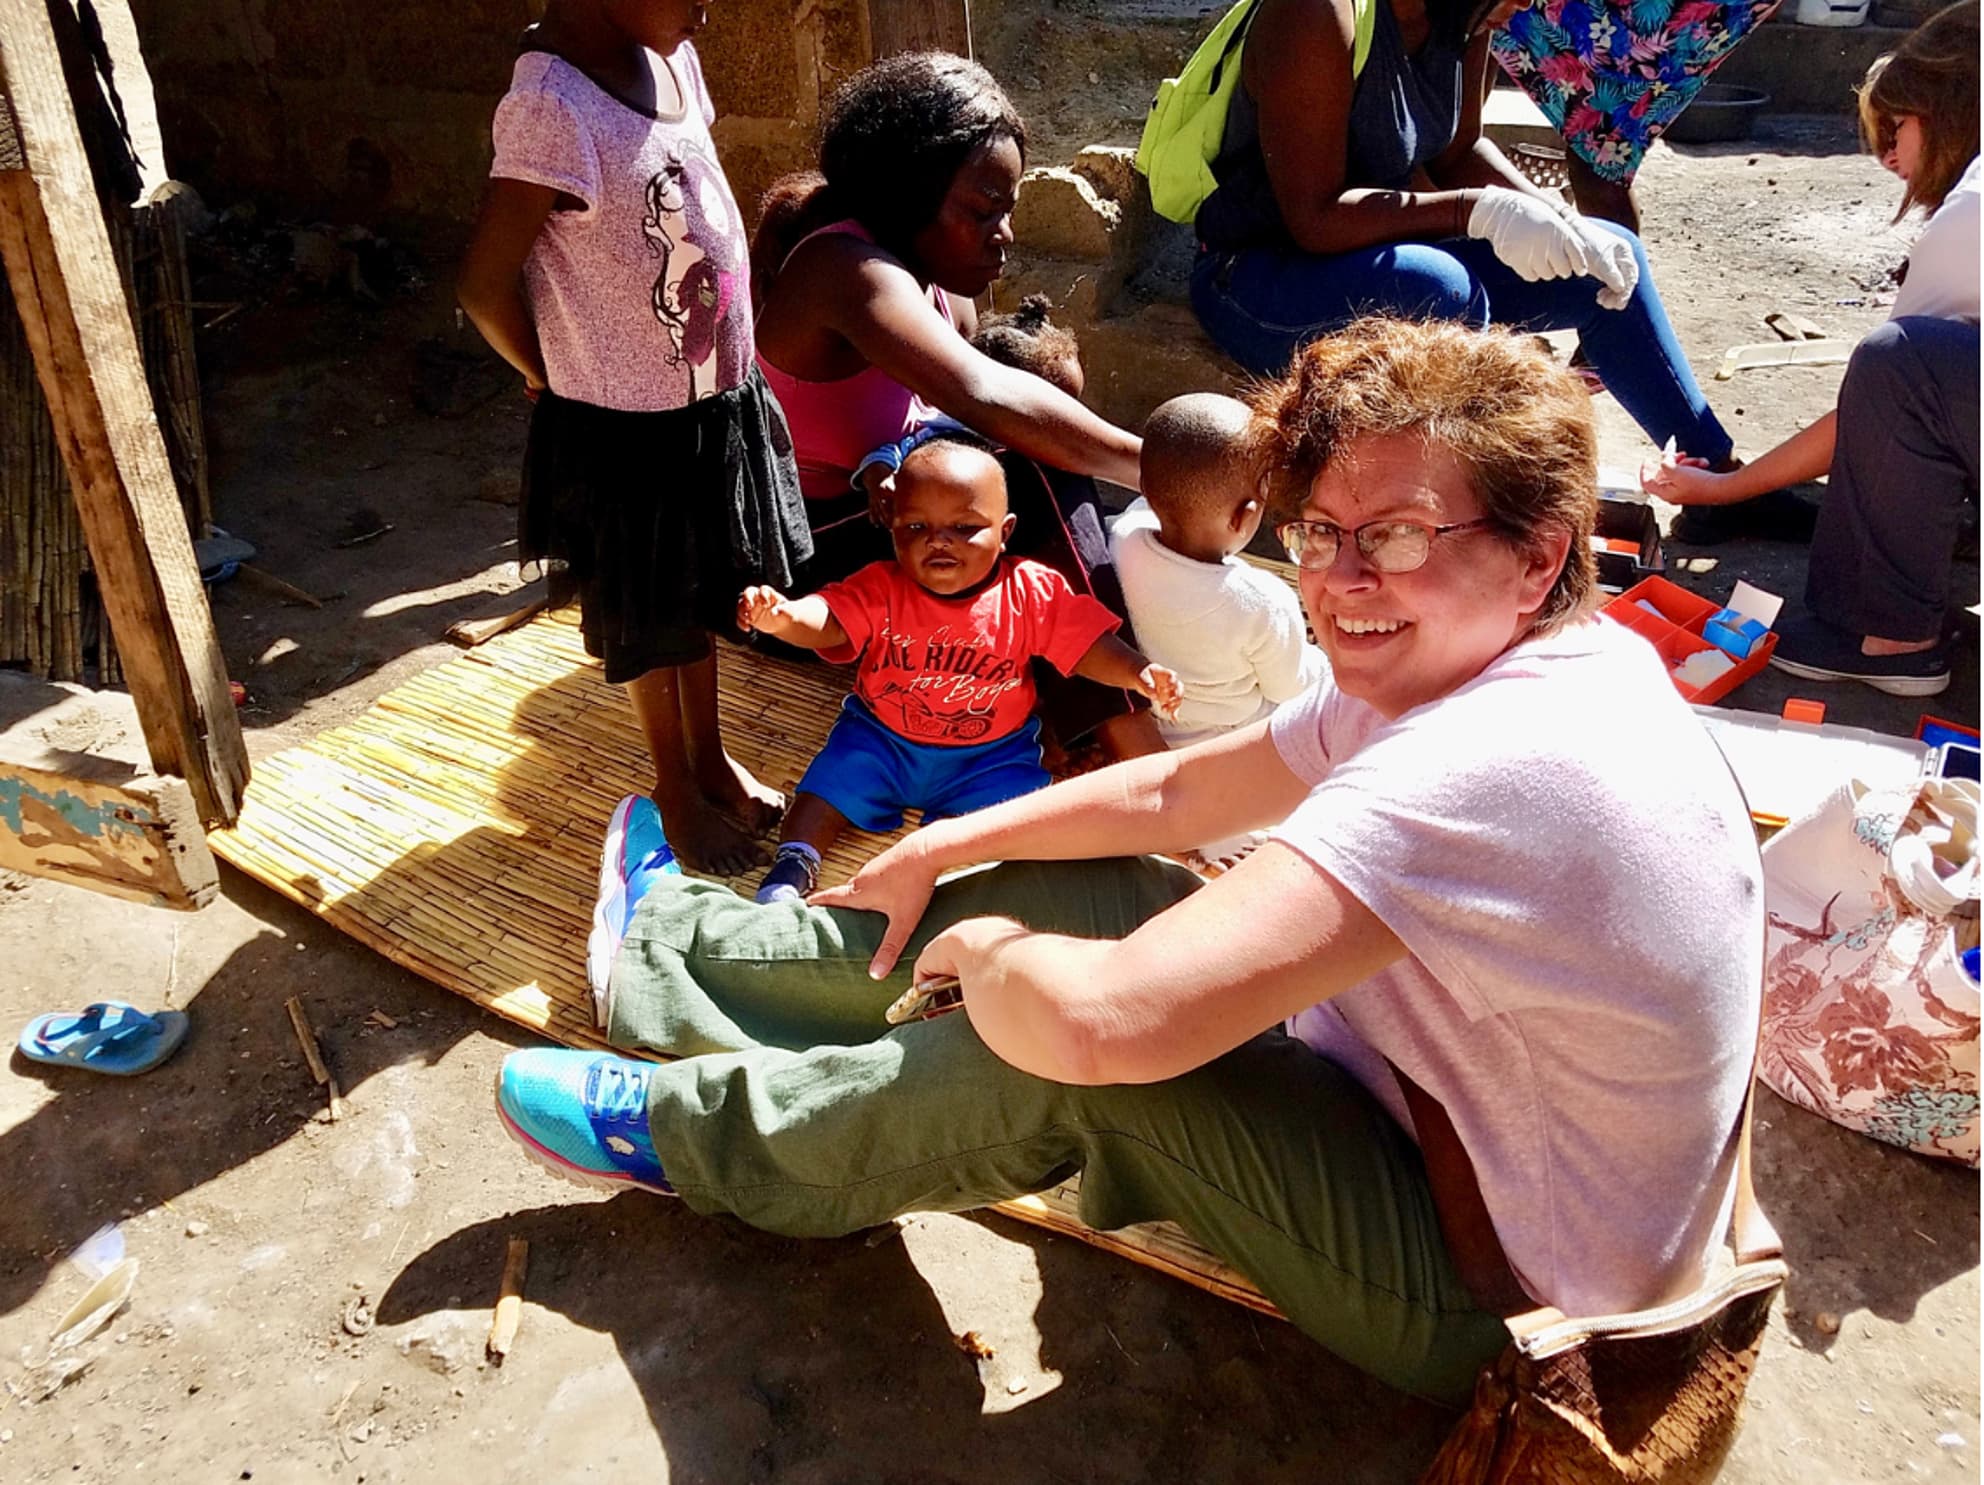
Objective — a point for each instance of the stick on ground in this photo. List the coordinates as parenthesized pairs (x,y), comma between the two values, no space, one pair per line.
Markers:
(468,633)
(509,1301)
(307,1039)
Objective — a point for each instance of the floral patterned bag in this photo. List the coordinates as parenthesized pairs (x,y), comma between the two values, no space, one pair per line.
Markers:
(1870,1017)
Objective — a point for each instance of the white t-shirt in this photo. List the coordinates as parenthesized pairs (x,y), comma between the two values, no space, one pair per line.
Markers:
(1942,266)
(1234,634)
(1574,876)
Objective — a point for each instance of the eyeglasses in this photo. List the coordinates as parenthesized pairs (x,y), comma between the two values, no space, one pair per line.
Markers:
(1389,546)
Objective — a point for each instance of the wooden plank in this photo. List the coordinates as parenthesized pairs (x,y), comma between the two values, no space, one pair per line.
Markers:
(60,265)
(139,840)
(919,25)
(78,804)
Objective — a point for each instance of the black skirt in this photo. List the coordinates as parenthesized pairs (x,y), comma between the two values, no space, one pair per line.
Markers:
(656,521)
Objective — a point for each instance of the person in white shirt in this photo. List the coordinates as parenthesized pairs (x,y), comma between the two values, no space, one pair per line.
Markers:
(1234,634)
(1902,445)
(1465,1035)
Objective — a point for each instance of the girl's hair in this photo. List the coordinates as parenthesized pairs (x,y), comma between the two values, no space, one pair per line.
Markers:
(1027,339)
(1931,76)
(893,138)
(1516,423)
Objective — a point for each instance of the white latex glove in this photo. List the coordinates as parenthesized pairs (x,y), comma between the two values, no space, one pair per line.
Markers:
(1612,263)
(1528,236)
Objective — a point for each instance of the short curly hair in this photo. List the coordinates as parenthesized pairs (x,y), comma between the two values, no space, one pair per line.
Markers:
(1517,423)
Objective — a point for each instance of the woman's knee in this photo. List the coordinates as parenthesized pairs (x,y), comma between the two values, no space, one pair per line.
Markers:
(1428,282)
(1882,366)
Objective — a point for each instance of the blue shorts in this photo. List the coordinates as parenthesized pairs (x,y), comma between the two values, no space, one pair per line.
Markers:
(871,775)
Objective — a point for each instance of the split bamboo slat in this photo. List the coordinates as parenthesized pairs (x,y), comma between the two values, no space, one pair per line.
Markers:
(455,828)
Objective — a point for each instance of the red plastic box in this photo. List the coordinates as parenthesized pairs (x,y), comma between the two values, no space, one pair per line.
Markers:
(1677,634)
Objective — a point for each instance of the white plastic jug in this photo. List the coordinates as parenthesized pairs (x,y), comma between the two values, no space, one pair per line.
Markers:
(1833,12)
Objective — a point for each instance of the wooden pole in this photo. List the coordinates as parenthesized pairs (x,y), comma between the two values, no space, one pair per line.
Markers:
(64,277)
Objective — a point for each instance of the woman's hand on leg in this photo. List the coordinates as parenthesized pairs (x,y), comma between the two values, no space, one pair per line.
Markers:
(896,884)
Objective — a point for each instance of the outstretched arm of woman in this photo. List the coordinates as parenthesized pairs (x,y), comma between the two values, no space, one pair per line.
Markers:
(1805,455)
(1265,940)
(1164,802)
(879,308)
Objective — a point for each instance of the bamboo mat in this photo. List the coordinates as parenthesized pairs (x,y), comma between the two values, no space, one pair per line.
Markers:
(455,828)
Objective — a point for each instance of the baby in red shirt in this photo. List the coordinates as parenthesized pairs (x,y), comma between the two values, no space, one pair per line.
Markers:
(941,716)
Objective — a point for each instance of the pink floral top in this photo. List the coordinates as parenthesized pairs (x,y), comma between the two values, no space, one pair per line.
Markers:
(641,295)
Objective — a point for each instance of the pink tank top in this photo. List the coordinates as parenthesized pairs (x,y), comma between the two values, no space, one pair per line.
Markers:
(835,424)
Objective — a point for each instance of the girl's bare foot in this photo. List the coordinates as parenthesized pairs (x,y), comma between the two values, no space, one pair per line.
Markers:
(729,786)
(707,840)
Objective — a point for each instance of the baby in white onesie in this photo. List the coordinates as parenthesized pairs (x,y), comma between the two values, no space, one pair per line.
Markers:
(1234,634)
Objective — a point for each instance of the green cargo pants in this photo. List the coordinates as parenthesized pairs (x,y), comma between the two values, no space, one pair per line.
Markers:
(798,1109)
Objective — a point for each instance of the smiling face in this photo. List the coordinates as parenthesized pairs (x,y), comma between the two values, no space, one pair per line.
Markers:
(949,518)
(963,249)
(1400,639)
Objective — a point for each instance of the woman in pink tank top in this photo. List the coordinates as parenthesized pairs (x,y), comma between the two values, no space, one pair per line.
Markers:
(865,272)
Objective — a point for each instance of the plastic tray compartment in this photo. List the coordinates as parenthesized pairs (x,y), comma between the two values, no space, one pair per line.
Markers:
(1676,633)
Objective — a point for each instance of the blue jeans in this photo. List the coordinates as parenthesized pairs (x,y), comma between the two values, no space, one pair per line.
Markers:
(1262,305)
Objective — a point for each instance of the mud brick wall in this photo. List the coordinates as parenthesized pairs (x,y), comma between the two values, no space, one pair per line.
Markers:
(377,111)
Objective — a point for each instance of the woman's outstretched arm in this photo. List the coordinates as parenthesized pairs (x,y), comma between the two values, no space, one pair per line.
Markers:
(1805,455)
(1165,802)
(879,308)
(1267,939)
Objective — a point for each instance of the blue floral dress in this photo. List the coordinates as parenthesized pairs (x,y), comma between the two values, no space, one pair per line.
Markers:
(1612,76)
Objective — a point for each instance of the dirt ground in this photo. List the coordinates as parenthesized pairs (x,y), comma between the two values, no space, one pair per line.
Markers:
(313,1296)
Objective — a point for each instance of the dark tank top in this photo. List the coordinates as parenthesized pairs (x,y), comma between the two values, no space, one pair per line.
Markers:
(1404,110)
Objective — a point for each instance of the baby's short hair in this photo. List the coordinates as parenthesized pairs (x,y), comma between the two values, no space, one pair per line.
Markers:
(1197,454)
(1028,340)
(955,438)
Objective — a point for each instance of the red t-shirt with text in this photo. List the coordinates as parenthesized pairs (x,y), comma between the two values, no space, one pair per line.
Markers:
(951,672)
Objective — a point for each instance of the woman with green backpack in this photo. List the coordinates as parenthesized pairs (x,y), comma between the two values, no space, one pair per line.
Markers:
(1330,156)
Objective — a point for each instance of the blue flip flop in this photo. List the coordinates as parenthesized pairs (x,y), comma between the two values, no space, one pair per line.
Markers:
(108,1037)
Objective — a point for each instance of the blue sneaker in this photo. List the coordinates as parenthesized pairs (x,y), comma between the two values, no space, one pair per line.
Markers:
(582,1115)
(636,854)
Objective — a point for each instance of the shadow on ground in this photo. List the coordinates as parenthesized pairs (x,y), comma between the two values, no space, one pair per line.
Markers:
(866,1355)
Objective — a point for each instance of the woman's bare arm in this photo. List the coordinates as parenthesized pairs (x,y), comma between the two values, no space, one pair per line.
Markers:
(1164,802)
(1474,160)
(1297,67)
(1805,455)
(876,305)
(1263,941)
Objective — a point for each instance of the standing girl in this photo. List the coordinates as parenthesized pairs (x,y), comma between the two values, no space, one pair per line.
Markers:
(609,266)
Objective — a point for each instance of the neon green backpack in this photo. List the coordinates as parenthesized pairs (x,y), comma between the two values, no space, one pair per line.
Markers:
(1188,119)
